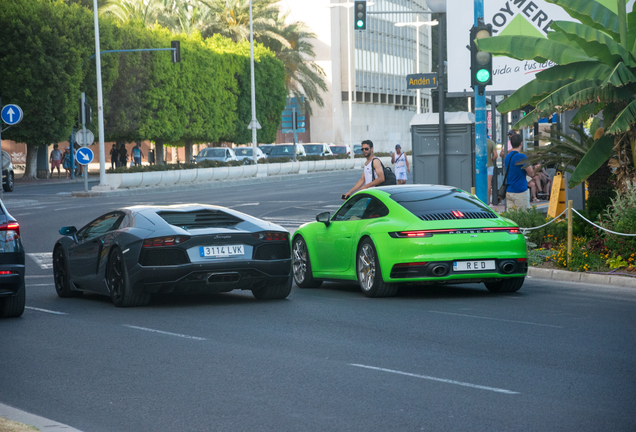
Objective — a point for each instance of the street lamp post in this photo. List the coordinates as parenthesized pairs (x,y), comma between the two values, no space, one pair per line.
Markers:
(417,24)
(254,124)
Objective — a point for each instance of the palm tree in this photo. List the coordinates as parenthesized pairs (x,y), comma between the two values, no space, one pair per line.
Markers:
(595,70)
(185,17)
(144,11)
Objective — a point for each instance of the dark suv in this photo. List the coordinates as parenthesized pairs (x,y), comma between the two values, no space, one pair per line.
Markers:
(12,289)
(8,177)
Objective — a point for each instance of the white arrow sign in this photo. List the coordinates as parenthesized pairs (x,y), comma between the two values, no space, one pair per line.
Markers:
(12,114)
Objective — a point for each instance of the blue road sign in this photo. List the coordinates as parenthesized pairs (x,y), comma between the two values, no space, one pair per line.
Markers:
(287,124)
(12,114)
(84,156)
(300,130)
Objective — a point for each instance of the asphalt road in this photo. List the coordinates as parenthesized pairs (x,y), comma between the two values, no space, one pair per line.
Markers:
(550,357)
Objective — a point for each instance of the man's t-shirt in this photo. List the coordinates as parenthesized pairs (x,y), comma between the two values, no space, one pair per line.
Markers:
(136,152)
(56,155)
(517,182)
(490,149)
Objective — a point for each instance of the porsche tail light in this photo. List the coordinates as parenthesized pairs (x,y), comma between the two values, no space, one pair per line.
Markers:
(522,259)
(165,241)
(430,233)
(272,236)
(411,264)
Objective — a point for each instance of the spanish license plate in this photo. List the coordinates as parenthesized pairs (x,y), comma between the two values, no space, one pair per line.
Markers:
(474,265)
(222,251)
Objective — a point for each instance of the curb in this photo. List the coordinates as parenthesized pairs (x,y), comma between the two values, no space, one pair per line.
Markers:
(41,423)
(592,279)
(198,186)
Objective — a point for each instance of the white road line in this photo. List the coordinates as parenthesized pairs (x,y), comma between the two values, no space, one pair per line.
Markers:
(460,383)
(163,332)
(45,310)
(43,259)
(497,319)
(34,285)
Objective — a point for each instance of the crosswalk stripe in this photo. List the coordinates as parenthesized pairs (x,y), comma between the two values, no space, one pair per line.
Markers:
(42,259)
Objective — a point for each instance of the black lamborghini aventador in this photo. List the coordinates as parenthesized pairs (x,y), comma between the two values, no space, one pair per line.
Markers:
(132,253)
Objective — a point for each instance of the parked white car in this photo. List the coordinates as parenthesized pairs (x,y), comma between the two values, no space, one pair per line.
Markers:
(314,149)
(340,149)
(247,153)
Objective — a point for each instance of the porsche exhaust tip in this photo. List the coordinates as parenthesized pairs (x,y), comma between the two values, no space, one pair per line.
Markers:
(508,268)
(439,270)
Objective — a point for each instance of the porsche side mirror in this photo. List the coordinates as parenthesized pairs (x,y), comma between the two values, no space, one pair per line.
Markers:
(68,231)
(323,217)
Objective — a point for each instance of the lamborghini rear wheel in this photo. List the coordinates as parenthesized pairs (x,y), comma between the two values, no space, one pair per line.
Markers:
(119,283)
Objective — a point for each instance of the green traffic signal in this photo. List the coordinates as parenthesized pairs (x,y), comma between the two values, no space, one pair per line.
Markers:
(360,23)
(483,75)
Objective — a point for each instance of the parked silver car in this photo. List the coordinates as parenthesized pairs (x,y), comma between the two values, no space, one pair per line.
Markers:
(286,150)
(221,154)
(243,153)
(8,177)
(313,149)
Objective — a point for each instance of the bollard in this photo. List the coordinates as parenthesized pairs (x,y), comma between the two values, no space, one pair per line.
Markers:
(472,190)
(569,232)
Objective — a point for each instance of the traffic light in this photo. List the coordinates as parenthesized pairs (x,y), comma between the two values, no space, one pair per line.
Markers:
(295,120)
(480,61)
(88,112)
(176,53)
(360,15)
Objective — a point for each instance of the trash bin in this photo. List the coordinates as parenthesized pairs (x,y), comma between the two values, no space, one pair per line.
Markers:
(151,157)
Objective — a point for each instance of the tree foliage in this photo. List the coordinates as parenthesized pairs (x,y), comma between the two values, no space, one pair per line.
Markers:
(595,70)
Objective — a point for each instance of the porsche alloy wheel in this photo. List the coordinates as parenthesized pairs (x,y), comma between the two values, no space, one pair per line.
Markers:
(302,265)
(118,282)
(369,273)
(61,276)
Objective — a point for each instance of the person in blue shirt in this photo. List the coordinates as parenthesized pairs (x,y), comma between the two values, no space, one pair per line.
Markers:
(137,153)
(516,164)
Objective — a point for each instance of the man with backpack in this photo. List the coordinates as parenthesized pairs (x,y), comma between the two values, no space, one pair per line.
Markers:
(373,172)
(516,170)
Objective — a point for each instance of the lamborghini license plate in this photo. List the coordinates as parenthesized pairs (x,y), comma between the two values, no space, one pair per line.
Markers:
(222,251)
(474,265)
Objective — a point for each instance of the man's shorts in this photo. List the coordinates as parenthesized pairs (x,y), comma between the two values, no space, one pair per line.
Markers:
(400,175)
(491,170)
(519,200)
(55,164)
(138,160)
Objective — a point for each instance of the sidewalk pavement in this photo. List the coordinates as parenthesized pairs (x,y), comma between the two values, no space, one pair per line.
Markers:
(41,423)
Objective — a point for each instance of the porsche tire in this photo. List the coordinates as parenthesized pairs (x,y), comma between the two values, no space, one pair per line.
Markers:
(301,265)
(505,285)
(369,273)
(61,276)
(274,292)
(119,283)
(13,307)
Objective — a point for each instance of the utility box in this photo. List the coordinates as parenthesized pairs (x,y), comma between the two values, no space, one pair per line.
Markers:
(459,149)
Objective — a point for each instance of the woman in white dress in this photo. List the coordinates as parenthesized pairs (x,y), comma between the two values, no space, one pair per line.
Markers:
(401,164)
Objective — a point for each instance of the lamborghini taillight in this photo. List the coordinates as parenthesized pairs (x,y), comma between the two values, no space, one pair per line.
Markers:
(164,241)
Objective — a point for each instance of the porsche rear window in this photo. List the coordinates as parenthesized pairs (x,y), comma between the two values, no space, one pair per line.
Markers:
(200,219)
(441,203)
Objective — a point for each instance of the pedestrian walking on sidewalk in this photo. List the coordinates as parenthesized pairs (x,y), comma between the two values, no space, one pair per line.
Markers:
(401,164)
(114,156)
(123,155)
(66,161)
(137,153)
(56,160)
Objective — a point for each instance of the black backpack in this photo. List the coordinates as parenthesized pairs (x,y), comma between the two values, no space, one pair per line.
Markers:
(389,175)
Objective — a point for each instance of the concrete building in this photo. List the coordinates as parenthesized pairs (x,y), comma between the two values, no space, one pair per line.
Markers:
(380,56)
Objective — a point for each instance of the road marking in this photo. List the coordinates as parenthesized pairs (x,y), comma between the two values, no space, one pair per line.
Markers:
(447,381)
(45,310)
(38,276)
(497,319)
(163,332)
(43,259)
(46,284)
(244,204)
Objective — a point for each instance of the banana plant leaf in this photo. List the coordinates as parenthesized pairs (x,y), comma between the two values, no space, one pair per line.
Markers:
(593,14)
(532,48)
(595,43)
(560,37)
(607,94)
(575,71)
(586,111)
(620,76)
(528,120)
(555,101)
(624,120)
(530,94)
(596,156)
(631,29)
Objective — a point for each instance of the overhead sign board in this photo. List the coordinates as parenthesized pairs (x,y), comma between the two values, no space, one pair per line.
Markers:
(421,81)
(509,18)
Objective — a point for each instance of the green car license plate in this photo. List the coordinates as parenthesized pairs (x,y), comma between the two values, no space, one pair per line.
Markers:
(474,265)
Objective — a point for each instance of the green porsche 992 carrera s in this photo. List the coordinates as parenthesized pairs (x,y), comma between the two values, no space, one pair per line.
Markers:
(386,236)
